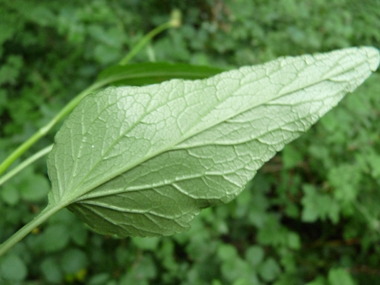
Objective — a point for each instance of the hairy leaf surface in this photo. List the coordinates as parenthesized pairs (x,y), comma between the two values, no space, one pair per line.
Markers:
(142,161)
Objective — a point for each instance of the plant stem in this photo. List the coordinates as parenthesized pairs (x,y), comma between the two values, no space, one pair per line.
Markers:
(24,164)
(44,130)
(144,41)
(21,233)
(175,21)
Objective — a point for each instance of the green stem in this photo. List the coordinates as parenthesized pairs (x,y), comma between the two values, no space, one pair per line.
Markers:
(174,22)
(44,130)
(24,164)
(144,41)
(21,233)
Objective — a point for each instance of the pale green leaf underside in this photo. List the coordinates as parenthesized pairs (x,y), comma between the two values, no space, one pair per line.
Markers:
(143,161)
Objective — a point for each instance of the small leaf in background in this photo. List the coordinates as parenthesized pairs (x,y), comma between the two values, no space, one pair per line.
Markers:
(374,165)
(294,241)
(144,270)
(51,270)
(235,269)
(35,188)
(339,276)
(12,268)
(73,261)
(143,161)
(291,157)
(269,270)
(318,205)
(273,233)
(254,255)
(55,237)
(78,233)
(167,255)
(227,252)
(10,71)
(147,244)
(346,182)
(28,186)
(99,279)
(10,194)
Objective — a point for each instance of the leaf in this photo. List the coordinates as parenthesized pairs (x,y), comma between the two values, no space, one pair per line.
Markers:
(339,276)
(143,161)
(153,72)
(73,261)
(55,237)
(12,267)
(51,271)
(269,270)
(318,206)
(254,255)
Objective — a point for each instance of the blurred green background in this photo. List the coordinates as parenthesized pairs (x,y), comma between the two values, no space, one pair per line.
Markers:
(310,216)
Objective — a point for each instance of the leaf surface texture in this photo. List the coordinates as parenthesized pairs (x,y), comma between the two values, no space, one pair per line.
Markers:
(143,161)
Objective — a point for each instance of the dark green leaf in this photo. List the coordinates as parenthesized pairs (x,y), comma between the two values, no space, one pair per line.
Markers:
(153,72)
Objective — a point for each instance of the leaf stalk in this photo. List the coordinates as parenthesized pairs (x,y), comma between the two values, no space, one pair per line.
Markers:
(174,22)
(24,164)
(21,233)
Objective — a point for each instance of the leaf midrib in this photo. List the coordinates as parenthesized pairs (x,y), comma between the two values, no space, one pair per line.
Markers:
(144,187)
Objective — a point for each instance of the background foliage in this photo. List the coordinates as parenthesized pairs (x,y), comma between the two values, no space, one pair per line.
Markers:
(310,215)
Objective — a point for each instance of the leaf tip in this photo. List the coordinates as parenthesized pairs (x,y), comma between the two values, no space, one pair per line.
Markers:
(373,55)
